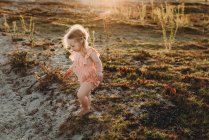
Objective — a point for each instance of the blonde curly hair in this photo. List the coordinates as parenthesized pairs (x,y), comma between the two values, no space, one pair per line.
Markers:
(78,32)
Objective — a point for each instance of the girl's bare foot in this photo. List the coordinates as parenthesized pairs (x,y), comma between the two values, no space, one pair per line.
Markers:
(84,112)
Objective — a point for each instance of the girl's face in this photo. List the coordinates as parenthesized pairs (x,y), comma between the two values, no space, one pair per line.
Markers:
(75,44)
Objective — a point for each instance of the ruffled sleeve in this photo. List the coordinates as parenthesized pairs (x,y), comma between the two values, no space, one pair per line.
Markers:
(95,56)
(97,53)
(89,51)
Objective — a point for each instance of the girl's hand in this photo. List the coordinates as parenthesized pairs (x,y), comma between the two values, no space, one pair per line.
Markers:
(100,76)
(67,74)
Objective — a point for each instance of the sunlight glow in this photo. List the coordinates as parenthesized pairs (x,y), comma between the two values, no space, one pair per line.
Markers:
(102,2)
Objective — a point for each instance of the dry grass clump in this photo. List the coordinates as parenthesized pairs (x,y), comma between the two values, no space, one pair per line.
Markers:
(19,59)
(50,75)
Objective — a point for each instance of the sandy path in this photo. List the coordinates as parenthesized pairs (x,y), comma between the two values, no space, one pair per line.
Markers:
(28,116)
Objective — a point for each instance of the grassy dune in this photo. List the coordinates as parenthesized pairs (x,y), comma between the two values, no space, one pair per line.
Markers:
(156,71)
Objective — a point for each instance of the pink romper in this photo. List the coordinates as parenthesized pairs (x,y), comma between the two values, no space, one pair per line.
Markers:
(84,67)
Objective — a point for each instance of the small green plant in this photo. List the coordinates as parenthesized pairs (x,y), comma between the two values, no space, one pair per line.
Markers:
(181,18)
(142,12)
(23,23)
(31,24)
(27,30)
(92,39)
(167,19)
(152,5)
(171,18)
(32,32)
(6,25)
(14,34)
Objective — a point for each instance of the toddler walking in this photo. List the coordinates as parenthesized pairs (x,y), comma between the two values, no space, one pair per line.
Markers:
(86,65)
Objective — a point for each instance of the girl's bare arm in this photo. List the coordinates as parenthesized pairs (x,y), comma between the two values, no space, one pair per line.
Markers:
(69,72)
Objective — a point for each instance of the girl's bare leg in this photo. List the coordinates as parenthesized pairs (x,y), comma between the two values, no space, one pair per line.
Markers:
(89,97)
(83,94)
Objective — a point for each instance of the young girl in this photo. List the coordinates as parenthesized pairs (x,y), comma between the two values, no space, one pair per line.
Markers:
(86,65)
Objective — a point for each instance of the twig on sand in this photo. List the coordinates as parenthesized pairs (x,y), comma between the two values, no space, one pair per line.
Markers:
(28,91)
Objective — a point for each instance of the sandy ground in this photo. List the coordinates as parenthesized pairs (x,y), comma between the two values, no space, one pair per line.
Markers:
(28,116)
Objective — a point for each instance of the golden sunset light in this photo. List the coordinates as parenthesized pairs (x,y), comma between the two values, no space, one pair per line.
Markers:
(104,69)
